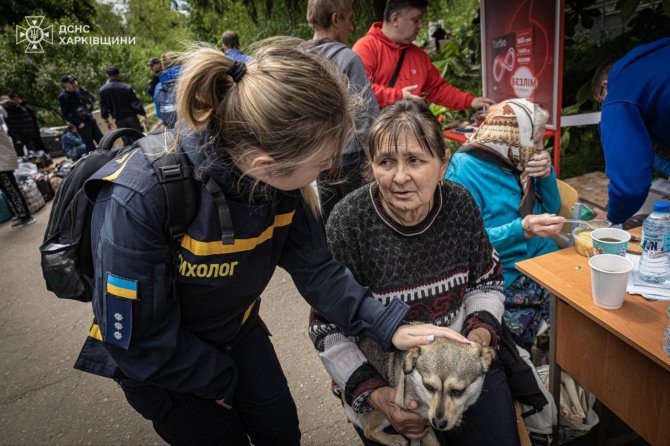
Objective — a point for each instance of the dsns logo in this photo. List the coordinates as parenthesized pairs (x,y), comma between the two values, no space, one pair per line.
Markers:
(34,34)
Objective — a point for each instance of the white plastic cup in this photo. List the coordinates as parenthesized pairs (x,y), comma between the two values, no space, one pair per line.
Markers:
(609,277)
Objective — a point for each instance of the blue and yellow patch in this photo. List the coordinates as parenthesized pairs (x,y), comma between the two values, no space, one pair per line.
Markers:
(121,287)
(119,297)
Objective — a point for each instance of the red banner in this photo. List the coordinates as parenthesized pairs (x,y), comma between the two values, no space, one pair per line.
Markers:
(520,51)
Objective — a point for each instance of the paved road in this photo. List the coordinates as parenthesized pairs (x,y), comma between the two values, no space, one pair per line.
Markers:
(43,400)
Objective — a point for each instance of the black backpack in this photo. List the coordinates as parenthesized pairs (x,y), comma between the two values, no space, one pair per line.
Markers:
(66,254)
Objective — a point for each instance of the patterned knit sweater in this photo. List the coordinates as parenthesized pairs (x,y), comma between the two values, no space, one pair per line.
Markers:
(444,268)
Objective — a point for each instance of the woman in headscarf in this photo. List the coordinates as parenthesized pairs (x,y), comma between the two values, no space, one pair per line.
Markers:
(509,174)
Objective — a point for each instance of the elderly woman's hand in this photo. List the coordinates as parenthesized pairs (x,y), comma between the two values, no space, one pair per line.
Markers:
(539,165)
(408,336)
(404,421)
(544,225)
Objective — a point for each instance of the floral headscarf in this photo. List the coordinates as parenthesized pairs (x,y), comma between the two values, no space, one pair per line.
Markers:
(507,132)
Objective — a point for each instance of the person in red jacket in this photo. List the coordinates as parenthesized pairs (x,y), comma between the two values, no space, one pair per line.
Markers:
(417,79)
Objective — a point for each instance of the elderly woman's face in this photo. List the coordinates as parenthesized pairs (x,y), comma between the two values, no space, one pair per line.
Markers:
(407,178)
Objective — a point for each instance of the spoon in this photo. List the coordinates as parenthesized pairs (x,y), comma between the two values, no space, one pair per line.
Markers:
(594,224)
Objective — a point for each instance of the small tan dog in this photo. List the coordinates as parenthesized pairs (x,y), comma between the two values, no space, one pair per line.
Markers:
(444,377)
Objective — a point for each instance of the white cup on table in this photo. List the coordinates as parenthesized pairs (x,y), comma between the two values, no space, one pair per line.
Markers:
(609,277)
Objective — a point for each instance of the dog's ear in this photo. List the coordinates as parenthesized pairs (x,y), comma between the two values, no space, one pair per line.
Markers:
(410,360)
(487,355)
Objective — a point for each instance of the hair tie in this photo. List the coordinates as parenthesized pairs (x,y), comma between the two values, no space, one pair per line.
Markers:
(237,70)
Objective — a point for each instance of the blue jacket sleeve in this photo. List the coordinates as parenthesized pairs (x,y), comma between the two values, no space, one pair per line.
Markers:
(505,238)
(329,286)
(629,158)
(136,305)
(548,190)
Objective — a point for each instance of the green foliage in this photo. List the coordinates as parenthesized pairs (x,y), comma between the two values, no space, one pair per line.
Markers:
(252,20)
(459,64)
(156,27)
(12,12)
(457,14)
(256,19)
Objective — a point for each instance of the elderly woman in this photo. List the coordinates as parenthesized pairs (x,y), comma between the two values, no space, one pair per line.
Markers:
(509,174)
(412,236)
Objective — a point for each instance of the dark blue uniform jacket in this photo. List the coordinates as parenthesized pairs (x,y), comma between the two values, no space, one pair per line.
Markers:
(175,333)
(119,99)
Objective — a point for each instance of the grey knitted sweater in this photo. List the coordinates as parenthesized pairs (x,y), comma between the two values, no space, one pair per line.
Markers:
(444,268)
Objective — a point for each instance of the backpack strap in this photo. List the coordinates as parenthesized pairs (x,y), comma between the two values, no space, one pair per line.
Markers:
(225,220)
(179,180)
(177,177)
(107,141)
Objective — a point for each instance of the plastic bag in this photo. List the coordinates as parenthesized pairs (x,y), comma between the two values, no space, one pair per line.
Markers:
(25,170)
(538,424)
(577,416)
(34,198)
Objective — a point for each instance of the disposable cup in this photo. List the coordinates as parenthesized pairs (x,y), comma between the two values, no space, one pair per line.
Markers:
(610,241)
(609,276)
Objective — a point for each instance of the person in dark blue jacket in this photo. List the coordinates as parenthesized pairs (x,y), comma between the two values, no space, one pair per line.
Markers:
(181,332)
(635,94)
(75,107)
(119,100)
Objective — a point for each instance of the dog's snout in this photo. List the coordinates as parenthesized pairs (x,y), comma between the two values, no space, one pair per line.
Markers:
(438,423)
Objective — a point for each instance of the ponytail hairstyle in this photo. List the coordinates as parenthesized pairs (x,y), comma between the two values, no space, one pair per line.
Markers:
(291,105)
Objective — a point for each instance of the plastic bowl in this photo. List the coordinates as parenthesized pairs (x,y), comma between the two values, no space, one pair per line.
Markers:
(583,243)
(598,224)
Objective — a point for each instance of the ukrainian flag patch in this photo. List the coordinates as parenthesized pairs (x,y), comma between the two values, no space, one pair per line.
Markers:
(119,309)
(120,287)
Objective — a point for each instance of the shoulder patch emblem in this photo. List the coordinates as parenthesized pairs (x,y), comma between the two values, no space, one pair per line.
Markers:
(119,297)
(120,287)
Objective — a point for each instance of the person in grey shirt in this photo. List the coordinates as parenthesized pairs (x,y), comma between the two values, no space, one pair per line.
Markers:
(332,23)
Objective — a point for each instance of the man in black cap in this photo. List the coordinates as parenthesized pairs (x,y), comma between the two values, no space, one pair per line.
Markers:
(155,65)
(119,99)
(75,107)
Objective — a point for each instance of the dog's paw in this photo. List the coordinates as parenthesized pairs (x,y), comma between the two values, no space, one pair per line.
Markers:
(401,441)
(430,439)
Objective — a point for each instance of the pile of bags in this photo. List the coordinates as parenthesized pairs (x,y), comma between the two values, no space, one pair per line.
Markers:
(28,175)
(38,179)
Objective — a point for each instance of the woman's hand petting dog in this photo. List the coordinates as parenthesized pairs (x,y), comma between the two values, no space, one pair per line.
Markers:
(405,421)
(480,336)
(408,336)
